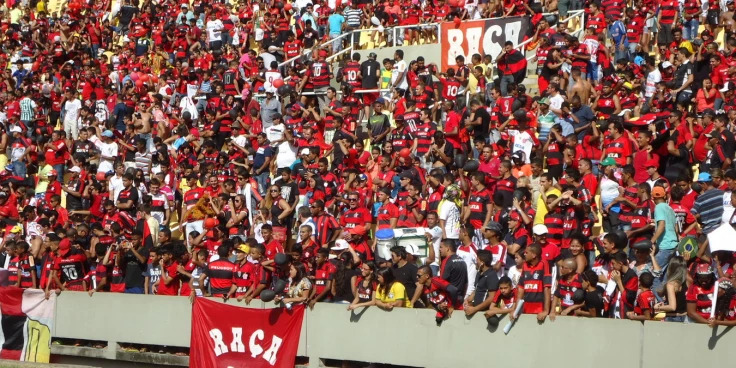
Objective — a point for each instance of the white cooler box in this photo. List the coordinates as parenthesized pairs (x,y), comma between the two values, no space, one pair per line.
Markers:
(412,236)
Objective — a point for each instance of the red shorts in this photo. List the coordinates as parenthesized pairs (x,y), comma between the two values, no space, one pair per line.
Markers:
(532,307)
(370,98)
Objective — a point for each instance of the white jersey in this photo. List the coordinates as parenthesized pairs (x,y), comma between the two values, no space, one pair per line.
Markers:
(468,254)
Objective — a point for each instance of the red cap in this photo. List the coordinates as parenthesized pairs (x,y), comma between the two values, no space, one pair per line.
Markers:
(651,163)
(64,246)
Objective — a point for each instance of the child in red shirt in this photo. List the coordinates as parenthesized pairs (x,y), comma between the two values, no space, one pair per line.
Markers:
(644,307)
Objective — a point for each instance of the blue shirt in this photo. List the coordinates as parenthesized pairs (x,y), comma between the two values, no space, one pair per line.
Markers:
(668,239)
(335,21)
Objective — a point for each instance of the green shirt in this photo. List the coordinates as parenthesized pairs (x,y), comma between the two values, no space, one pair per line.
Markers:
(668,239)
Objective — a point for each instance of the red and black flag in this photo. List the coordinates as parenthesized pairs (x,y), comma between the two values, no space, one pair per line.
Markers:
(26,318)
(147,239)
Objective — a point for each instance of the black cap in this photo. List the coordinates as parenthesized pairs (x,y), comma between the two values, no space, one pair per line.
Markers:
(276,116)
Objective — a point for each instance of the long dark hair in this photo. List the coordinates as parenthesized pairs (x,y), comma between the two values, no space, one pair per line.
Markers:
(344,264)
(301,272)
(388,279)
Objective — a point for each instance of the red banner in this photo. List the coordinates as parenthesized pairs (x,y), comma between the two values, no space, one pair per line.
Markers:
(485,36)
(228,336)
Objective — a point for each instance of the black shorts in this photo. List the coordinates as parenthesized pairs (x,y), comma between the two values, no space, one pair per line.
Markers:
(713,17)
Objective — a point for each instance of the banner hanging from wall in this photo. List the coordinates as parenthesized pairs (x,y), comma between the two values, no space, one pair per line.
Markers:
(25,331)
(229,336)
(485,36)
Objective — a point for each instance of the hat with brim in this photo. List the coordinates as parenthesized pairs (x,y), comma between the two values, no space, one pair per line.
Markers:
(608,161)
(340,244)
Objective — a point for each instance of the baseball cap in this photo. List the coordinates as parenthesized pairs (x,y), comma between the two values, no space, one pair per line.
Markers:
(666,64)
(539,229)
(16,129)
(413,250)
(75,169)
(658,192)
(52,173)
(107,133)
(725,283)
(544,101)
(64,246)
(372,55)
(242,248)
(340,244)
(608,161)
(704,178)
(494,226)
(651,163)
(17,229)
(703,269)
(305,151)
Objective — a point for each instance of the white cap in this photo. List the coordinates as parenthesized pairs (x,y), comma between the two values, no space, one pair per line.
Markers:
(666,64)
(340,244)
(75,169)
(305,151)
(16,129)
(413,250)
(539,229)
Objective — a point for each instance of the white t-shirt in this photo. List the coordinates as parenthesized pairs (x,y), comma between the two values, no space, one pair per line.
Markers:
(727,208)
(399,67)
(451,215)
(71,109)
(653,78)
(214,30)
(556,102)
(522,141)
(108,150)
(470,257)
(436,239)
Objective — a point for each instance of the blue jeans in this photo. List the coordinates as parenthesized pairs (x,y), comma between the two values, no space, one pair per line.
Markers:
(134,290)
(336,44)
(19,168)
(663,258)
(505,80)
(262,180)
(690,29)
(59,173)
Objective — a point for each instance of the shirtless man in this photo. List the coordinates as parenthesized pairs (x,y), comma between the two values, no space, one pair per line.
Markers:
(142,122)
(727,17)
(580,87)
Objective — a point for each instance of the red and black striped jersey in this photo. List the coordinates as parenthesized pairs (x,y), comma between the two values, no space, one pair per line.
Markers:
(350,73)
(534,279)
(477,203)
(566,289)
(319,74)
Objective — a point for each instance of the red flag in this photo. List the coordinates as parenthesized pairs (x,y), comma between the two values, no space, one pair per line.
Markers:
(225,335)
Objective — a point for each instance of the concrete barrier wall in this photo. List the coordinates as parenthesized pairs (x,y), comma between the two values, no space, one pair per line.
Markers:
(411,337)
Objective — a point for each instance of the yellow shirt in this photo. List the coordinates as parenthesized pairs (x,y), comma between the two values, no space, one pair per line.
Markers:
(397,292)
(15,15)
(542,208)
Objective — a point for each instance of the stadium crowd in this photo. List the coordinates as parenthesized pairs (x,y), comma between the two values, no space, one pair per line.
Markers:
(210,149)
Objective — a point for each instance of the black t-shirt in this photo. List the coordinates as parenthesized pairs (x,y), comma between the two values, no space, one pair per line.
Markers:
(485,283)
(134,269)
(368,71)
(481,131)
(407,275)
(309,37)
(289,191)
(594,301)
(126,14)
(456,273)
